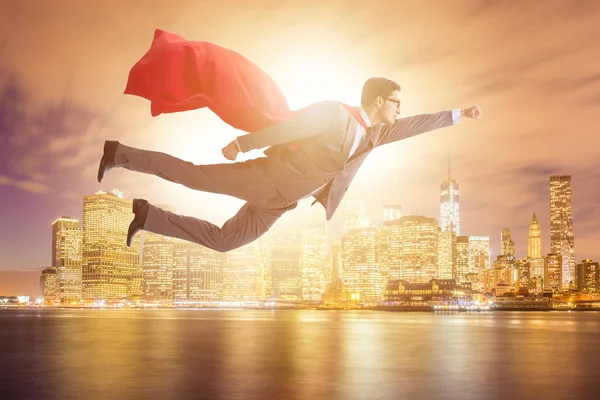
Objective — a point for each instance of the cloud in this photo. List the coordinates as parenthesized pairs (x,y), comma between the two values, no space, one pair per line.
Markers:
(44,143)
(532,66)
(71,195)
(29,186)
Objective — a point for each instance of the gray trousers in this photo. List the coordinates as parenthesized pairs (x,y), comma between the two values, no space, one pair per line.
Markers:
(244,180)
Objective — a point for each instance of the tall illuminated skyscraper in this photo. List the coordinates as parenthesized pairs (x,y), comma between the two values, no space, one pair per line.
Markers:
(552,272)
(243,273)
(534,246)
(265,244)
(383,255)
(392,212)
(362,274)
(111,270)
(286,274)
(197,273)
(462,258)
(534,249)
(157,265)
(66,258)
(449,206)
(413,248)
(314,261)
(336,262)
(49,286)
(562,240)
(354,214)
(479,254)
(588,276)
(508,246)
(393,233)
(447,255)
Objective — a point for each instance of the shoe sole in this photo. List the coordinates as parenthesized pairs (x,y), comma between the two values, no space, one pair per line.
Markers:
(135,209)
(100,170)
(102,167)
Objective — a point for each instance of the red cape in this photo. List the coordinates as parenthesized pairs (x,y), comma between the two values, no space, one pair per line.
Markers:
(177,75)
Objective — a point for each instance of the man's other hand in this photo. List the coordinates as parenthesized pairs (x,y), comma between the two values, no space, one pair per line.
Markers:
(231,151)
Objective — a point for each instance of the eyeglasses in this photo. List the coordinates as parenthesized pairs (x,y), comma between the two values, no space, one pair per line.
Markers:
(393,101)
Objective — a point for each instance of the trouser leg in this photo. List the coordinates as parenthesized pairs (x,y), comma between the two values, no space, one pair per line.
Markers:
(244,180)
(247,225)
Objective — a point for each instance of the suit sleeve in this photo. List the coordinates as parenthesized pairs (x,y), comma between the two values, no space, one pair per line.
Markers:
(404,128)
(311,121)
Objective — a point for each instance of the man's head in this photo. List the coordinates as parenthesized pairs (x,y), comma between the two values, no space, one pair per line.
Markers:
(381,100)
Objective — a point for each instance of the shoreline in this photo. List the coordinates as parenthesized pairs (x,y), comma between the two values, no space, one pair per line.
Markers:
(429,309)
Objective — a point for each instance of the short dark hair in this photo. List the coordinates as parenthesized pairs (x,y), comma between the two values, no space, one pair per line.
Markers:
(375,87)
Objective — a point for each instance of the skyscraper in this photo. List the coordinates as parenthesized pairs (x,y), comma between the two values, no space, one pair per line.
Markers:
(392,230)
(552,272)
(66,258)
(447,255)
(362,273)
(508,246)
(157,265)
(314,261)
(534,247)
(449,206)
(562,240)
(413,248)
(111,270)
(588,276)
(48,286)
(197,273)
(479,254)
(383,254)
(354,214)
(243,273)
(336,262)
(462,259)
(286,275)
(392,212)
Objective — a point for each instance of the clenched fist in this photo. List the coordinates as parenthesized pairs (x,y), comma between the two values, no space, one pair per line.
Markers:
(471,112)
(230,151)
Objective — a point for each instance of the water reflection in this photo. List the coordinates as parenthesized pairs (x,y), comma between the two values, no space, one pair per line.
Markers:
(217,354)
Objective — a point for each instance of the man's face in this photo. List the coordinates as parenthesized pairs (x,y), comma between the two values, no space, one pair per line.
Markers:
(389,107)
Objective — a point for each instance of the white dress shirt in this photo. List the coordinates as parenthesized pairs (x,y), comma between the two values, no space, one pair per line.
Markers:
(359,136)
(360,131)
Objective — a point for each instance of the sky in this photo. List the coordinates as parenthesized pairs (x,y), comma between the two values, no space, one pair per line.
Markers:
(532,66)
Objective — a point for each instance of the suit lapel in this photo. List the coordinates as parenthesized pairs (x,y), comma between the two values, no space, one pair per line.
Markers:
(349,140)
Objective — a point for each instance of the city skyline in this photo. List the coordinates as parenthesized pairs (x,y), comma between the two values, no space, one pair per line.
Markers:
(294,264)
(53,122)
(356,215)
(461,264)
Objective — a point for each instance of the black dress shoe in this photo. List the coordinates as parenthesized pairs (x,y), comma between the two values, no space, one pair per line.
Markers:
(108,158)
(140,209)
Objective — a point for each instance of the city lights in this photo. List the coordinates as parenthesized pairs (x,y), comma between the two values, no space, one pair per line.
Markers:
(409,262)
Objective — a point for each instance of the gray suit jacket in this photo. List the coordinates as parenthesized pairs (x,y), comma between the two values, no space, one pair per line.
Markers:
(321,136)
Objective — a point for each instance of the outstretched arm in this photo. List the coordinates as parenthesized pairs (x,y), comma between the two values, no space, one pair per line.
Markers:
(312,121)
(404,128)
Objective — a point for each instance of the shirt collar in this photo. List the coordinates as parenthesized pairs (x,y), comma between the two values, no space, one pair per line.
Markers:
(363,114)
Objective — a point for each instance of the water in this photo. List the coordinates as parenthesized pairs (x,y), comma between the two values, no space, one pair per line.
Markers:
(230,354)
